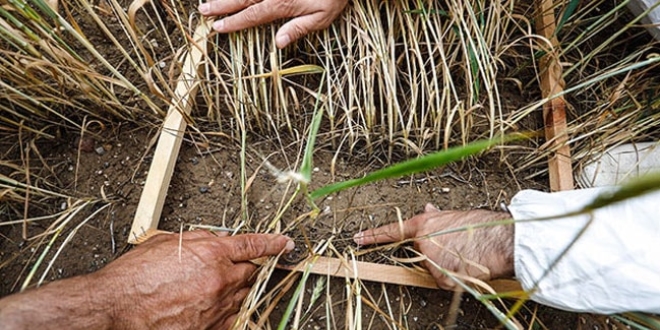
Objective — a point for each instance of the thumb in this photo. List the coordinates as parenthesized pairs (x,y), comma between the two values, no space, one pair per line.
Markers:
(298,28)
(252,246)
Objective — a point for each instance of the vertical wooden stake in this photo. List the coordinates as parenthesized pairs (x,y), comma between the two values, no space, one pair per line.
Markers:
(151,202)
(554,111)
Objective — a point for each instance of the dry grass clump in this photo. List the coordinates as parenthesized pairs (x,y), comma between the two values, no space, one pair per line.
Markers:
(105,61)
(402,76)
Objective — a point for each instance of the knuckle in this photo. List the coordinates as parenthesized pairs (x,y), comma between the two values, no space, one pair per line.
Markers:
(298,31)
(215,285)
(215,6)
(287,6)
(252,246)
(198,253)
(251,14)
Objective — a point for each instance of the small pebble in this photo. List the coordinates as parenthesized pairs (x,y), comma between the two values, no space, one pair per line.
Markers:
(85,144)
(100,150)
(106,164)
(203,189)
(194,160)
(445,190)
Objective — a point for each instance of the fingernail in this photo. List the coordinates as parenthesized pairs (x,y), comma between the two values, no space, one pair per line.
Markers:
(219,25)
(290,245)
(358,238)
(204,8)
(282,40)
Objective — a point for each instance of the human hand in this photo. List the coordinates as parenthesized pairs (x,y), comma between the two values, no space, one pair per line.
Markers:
(482,253)
(308,15)
(198,283)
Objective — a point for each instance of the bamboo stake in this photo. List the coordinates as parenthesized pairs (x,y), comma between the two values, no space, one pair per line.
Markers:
(554,111)
(151,202)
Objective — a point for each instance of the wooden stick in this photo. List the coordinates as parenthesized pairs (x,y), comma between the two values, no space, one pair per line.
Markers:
(151,202)
(554,111)
(367,271)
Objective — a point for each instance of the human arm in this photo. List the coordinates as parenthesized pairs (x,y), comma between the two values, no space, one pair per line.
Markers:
(611,267)
(198,282)
(307,15)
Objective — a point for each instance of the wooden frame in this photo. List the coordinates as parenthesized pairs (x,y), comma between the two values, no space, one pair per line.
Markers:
(155,189)
(554,111)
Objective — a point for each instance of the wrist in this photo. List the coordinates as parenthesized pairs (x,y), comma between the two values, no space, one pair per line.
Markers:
(502,238)
(62,304)
(107,292)
(102,298)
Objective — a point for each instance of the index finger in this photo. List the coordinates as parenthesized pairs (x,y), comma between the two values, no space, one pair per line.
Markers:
(393,232)
(251,246)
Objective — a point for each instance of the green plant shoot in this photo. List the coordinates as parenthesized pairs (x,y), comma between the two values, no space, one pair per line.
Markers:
(418,165)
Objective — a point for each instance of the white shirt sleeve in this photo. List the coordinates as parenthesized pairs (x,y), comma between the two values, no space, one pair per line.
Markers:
(652,19)
(614,266)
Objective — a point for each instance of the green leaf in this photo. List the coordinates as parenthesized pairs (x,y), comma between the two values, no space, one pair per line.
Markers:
(570,9)
(413,166)
(427,12)
(633,188)
(306,166)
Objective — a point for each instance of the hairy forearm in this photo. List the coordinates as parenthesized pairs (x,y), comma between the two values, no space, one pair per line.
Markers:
(66,304)
(490,243)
